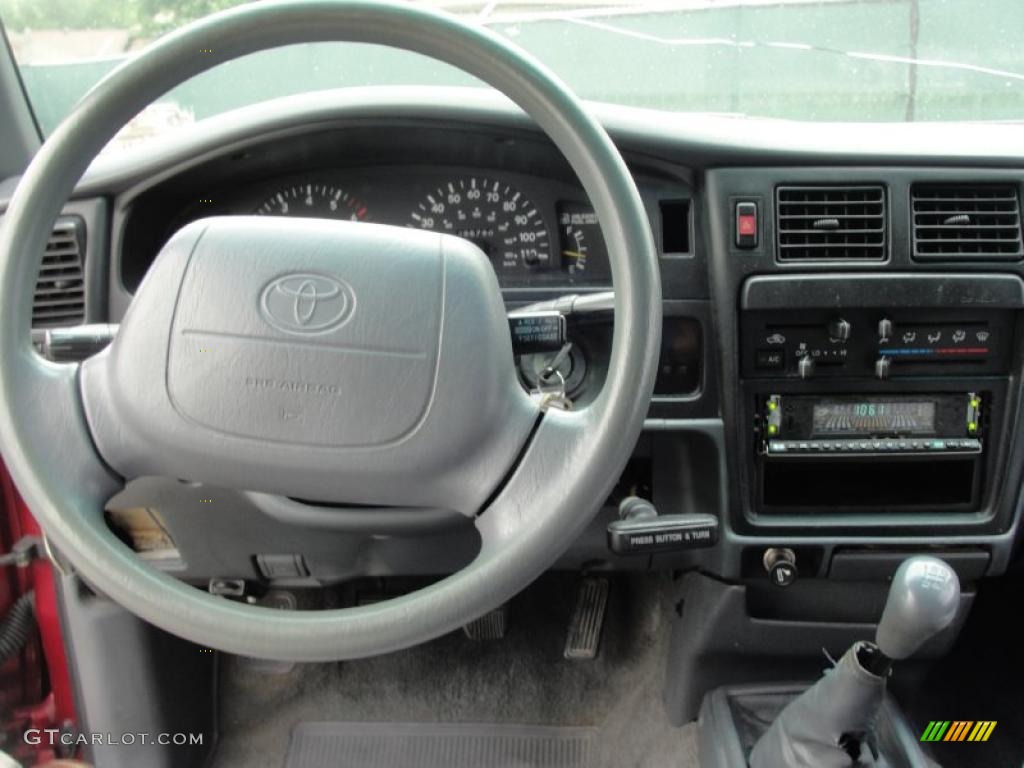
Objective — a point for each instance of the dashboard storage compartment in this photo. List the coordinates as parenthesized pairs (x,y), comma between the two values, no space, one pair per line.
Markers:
(826,485)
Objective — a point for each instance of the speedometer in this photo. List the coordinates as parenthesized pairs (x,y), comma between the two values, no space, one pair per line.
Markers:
(315,201)
(495,216)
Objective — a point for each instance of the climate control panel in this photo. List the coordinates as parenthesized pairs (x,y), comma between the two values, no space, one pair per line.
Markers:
(880,344)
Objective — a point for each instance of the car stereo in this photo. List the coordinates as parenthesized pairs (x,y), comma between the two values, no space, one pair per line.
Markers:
(795,426)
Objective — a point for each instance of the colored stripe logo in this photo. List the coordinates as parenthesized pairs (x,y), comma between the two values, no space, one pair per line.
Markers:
(958,730)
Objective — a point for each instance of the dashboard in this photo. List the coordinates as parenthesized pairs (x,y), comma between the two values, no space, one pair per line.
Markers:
(841,380)
(825,348)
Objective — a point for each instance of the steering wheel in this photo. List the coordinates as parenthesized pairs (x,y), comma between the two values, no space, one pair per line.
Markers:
(325,360)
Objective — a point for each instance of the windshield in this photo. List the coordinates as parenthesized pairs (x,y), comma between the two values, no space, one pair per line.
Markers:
(826,60)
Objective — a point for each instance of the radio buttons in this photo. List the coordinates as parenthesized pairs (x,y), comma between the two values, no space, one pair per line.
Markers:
(872,447)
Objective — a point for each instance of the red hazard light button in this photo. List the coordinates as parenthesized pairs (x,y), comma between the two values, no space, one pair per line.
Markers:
(746,225)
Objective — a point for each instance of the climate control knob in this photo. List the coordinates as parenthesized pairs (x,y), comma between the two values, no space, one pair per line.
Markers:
(839,328)
(882,367)
(805,367)
(884,329)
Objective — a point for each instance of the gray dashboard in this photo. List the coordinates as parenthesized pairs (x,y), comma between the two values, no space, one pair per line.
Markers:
(388,150)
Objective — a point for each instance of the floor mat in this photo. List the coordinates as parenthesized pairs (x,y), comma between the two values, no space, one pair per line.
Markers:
(433,745)
(523,679)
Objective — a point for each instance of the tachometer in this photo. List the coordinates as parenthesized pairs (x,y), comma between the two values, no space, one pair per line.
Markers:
(495,216)
(316,201)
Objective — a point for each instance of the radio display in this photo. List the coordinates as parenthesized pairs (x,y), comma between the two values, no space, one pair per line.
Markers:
(874,417)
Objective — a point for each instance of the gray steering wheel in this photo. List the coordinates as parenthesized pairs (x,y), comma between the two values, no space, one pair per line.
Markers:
(350,363)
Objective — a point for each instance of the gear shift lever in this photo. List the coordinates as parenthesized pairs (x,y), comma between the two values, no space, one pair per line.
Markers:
(923,599)
(826,724)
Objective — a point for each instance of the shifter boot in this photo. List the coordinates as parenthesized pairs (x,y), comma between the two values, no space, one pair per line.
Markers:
(825,726)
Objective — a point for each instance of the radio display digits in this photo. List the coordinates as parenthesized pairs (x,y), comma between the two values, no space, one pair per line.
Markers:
(869,418)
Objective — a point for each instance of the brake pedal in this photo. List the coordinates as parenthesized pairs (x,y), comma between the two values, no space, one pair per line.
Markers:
(490,626)
(587,619)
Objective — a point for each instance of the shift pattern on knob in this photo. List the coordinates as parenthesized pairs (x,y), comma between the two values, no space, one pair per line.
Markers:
(923,601)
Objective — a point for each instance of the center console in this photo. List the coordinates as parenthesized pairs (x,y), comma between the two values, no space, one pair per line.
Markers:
(864,395)
(873,395)
(867,326)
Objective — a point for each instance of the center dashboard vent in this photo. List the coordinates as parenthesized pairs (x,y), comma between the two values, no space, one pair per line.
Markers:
(60,291)
(830,223)
(966,221)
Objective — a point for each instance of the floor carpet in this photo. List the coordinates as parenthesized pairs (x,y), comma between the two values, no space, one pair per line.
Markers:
(520,680)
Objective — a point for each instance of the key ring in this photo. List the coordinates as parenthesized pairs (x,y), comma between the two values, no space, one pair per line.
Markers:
(554,396)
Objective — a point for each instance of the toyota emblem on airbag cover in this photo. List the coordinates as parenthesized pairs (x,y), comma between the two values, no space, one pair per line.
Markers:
(307,303)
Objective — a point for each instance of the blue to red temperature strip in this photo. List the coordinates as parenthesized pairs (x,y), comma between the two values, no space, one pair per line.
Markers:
(912,351)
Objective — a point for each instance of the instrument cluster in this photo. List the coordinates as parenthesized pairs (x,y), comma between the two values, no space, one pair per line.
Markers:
(533,230)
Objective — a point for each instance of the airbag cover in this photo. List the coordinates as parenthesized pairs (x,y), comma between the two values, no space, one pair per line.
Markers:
(326,360)
(323,353)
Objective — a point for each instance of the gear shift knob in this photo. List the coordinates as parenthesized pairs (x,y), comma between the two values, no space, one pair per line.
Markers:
(923,600)
(828,724)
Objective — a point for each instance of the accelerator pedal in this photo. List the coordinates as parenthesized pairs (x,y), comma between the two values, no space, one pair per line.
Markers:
(587,619)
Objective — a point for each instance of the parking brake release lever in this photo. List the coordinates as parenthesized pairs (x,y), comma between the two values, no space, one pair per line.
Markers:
(640,530)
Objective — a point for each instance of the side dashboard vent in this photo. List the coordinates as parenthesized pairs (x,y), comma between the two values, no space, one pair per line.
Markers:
(972,221)
(830,223)
(60,291)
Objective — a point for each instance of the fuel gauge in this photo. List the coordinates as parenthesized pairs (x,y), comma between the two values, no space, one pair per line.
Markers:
(583,254)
